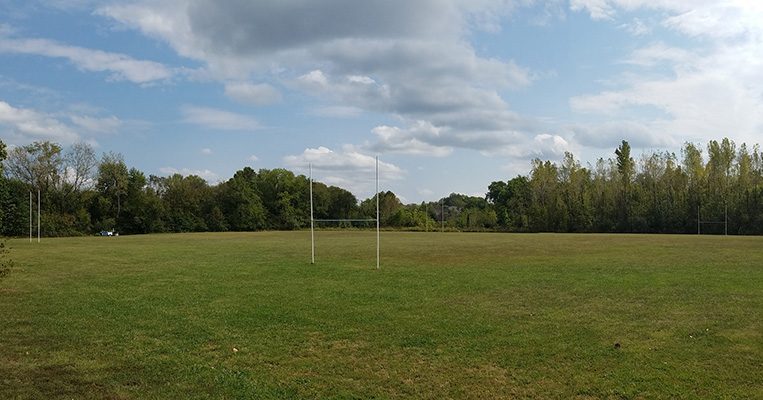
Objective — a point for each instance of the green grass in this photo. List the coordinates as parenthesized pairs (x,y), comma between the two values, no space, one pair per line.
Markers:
(448,316)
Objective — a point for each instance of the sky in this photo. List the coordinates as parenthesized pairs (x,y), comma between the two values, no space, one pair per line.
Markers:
(449,94)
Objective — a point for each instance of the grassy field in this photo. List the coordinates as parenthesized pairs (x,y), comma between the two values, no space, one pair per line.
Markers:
(244,315)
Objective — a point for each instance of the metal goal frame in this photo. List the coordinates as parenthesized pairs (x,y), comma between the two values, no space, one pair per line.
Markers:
(313,220)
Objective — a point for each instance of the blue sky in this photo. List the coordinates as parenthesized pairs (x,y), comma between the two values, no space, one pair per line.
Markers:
(450,94)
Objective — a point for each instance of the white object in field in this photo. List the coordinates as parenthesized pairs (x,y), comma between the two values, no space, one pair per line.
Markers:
(38,215)
(377,212)
(313,220)
(30,216)
(725,221)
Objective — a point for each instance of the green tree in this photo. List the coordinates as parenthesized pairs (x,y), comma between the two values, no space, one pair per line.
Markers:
(342,203)
(80,164)
(547,211)
(3,156)
(604,196)
(184,199)
(389,204)
(576,194)
(626,171)
(112,184)
(241,203)
(285,196)
(694,166)
(142,210)
(5,203)
(39,165)
(719,171)
(13,205)
(676,218)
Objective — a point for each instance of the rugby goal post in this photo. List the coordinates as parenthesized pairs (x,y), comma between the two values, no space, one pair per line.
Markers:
(38,216)
(725,221)
(313,220)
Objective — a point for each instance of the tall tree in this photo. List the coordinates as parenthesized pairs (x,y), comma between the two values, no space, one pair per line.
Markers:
(626,171)
(241,203)
(576,182)
(80,165)
(184,200)
(4,198)
(3,156)
(511,203)
(141,209)
(112,182)
(342,203)
(547,212)
(39,165)
(389,204)
(719,169)
(694,166)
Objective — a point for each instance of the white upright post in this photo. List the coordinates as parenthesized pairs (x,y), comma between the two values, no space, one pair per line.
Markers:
(38,215)
(377,212)
(312,220)
(442,216)
(726,220)
(30,216)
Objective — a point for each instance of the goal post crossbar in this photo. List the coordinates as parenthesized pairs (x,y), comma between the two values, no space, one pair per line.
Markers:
(345,220)
(725,221)
(313,220)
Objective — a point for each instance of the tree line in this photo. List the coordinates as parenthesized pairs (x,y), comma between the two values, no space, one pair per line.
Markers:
(656,193)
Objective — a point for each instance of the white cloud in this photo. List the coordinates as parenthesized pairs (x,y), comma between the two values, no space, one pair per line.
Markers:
(207,175)
(637,27)
(206,151)
(691,93)
(121,67)
(97,125)
(411,60)
(609,134)
(719,19)
(24,124)
(547,145)
(324,158)
(348,168)
(253,158)
(718,96)
(418,139)
(597,9)
(314,79)
(708,18)
(608,9)
(603,102)
(257,94)
(361,79)
(515,167)
(660,53)
(216,119)
(337,111)
(424,138)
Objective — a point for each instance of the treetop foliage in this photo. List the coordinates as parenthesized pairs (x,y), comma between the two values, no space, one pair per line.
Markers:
(658,192)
